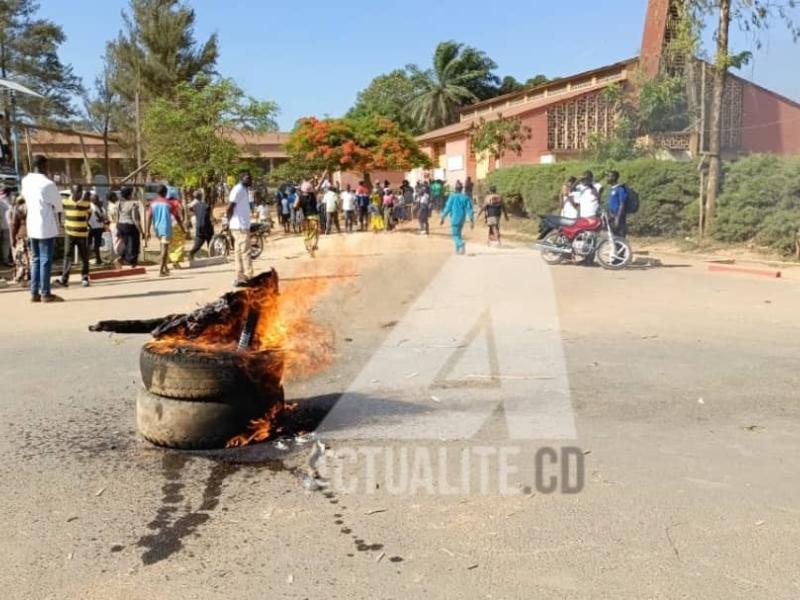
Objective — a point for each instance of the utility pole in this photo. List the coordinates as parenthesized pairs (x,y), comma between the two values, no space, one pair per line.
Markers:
(138,121)
(715,123)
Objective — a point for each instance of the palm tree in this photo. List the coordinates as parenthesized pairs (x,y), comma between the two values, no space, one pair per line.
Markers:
(460,76)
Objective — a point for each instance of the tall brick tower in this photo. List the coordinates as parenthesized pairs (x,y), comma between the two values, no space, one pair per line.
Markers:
(660,27)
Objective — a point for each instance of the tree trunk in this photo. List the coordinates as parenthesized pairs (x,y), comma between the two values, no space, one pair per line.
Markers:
(715,120)
(105,153)
(6,99)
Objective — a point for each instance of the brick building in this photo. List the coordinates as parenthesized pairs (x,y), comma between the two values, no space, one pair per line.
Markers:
(565,113)
(68,152)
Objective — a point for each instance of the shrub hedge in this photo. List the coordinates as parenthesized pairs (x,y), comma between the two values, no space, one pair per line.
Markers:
(667,190)
(759,201)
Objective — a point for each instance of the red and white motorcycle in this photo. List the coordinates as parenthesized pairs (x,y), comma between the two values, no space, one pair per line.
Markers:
(580,241)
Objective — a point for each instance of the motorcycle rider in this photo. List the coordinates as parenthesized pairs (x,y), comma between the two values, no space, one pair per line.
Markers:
(588,196)
(569,205)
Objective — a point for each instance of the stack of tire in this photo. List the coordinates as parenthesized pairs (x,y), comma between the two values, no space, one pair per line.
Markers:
(200,398)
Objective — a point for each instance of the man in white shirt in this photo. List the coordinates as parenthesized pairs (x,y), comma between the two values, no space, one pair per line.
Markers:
(349,207)
(331,201)
(238,214)
(588,196)
(44,207)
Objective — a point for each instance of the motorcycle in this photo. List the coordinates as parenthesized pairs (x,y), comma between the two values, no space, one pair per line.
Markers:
(579,241)
(222,244)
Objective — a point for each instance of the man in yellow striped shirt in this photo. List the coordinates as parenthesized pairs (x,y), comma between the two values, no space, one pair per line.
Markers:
(76,233)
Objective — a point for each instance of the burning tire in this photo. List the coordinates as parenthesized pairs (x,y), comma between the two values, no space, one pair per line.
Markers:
(187,373)
(196,425)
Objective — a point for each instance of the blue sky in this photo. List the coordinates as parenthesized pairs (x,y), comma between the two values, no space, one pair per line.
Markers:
(312,57)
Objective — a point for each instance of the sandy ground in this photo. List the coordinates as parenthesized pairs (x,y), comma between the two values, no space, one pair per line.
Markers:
(680,384)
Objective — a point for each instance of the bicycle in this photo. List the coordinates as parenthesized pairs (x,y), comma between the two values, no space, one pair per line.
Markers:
(222,244)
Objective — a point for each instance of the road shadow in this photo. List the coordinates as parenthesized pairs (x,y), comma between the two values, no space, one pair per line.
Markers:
(142,295)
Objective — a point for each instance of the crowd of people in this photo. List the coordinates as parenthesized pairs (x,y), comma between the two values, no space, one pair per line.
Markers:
(39,215)
(311,209)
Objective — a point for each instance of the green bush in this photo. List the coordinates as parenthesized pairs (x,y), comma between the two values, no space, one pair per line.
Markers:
(760,202)
(667,190)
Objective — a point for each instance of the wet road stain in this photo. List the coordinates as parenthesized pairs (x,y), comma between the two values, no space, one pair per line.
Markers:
(360,544)
(169,532)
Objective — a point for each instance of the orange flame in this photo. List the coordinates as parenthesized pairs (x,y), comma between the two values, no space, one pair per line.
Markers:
(285,326)
(260,429)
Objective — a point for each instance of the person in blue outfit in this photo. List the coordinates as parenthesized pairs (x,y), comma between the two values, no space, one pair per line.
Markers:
(459,209)
(617,205)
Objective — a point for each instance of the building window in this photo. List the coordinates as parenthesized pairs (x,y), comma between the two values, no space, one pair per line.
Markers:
(571,124)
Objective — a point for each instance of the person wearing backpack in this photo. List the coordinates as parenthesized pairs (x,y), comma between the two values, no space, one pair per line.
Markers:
(618,200)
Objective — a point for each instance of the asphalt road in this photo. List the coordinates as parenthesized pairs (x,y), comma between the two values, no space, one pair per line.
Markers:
(674,390)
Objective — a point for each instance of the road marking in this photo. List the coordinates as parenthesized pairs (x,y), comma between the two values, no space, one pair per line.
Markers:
(483,334)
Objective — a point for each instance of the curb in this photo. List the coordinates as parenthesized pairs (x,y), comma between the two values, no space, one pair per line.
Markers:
(717,268)
(199,263)
(114,273)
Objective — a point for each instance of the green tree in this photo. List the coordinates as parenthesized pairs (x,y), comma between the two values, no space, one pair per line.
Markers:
(324,146)
(499,136)
(661,106)
(388,96)
(29,55)
(187,136)
(755,17)
(509,84)
(536,80)
(101,110)
(154,53)
(460,76)
(157,50)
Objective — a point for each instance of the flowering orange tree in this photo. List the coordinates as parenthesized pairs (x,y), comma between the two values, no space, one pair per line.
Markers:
(319,146)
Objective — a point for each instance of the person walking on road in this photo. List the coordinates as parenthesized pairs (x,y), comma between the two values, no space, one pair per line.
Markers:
(285,206)
(306,204)
(468,188)
(362,201)
(424,211)
(97,224)
(203,227)
(19,243)
(376,223)
(238,214)
(159,218)
(44,207)
(459,209)
(493,208)
(348,199)
(77,209)
(437,189)
(129,227)
(331,202)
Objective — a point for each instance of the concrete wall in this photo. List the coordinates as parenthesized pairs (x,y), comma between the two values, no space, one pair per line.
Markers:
(395,178)
(770,124)
(455,150)
(534,148)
